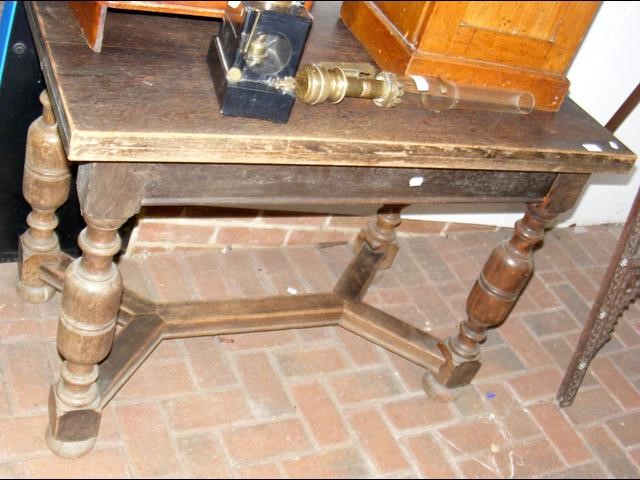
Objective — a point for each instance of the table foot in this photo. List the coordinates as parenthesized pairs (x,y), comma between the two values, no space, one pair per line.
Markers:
(437,392)
(71,433)
(34,294)
(69,449)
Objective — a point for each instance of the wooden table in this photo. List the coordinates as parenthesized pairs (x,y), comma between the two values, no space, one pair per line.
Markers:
(142,121)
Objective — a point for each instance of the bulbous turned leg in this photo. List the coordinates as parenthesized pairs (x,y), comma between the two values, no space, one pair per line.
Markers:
(90,301)
(492,297)
(381,235)
(45,186)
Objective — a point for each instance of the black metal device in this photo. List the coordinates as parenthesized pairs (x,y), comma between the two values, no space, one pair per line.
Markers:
(254,58)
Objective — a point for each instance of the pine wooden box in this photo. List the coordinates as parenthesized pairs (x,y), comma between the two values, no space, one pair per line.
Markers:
(513,45)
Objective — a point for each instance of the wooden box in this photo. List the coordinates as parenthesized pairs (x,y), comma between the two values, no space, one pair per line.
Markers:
(513,45)
(92,15)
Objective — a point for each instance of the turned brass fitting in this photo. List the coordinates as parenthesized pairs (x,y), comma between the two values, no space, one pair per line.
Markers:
(257,50)
(317,83)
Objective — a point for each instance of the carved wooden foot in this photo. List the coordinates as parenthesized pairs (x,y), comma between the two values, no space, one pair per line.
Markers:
(46,187)
(381,235)
(494,294)
(90,302)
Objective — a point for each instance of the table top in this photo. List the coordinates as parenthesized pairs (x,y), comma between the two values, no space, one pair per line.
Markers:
(148,97)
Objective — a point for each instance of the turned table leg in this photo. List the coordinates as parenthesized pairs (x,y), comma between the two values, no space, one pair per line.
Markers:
(90,303)
(375,249)
(380,235)
(46,187)
(91,297)
(497,289)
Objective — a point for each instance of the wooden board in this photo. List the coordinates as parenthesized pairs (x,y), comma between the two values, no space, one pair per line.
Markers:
(148,97)
(244,185)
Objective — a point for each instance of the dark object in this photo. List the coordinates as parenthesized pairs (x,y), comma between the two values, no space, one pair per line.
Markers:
(620,286)
(254,59)
(625,109)
(19,89)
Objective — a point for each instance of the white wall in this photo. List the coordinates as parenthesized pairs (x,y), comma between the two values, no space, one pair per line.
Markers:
(605,71)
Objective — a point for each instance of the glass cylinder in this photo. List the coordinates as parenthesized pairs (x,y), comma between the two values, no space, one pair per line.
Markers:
(438,94)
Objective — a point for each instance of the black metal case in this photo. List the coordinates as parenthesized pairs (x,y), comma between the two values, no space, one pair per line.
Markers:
(254,59)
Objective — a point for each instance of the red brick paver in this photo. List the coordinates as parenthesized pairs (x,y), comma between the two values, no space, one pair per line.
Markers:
(376,440)
(559,431)
(319,411)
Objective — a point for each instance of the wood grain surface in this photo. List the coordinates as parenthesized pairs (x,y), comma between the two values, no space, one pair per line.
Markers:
(510,45)
(148,97)
(245,185)
(200,8)
(91,17)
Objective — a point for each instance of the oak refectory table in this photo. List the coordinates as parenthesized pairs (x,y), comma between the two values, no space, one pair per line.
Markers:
(141,121)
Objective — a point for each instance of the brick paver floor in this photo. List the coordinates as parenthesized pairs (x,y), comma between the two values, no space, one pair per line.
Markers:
(324,403)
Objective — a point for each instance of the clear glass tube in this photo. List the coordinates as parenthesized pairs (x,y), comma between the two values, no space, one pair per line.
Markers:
(437,94)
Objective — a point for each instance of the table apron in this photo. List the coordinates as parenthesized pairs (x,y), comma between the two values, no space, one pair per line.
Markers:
(243,185)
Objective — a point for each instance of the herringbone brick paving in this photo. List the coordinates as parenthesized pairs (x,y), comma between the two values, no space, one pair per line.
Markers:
(324,403)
